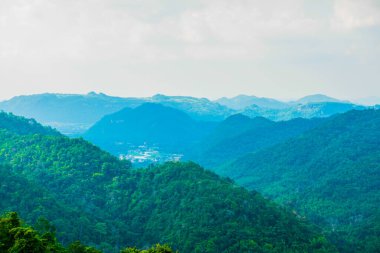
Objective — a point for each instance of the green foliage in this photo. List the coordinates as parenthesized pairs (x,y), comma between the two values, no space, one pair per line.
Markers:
(17,238)
(77,247)
(239,135)
(331,175)
(91,196)
(155,249)
(23,126)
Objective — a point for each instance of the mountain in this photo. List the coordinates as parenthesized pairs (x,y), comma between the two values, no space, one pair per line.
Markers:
(73,114)
(310,110)
(233,126)
(318,98)
(70,113)
(149,124)
(330,174)
(239,135)
(115,206)
(197,108)
(242,101)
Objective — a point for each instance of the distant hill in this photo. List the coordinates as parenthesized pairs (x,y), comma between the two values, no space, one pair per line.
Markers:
(330,174)
(152,124)
(242,101)
(197,108)
(70,113)
(90,195)
(238,135)
(318,98)
(310,110)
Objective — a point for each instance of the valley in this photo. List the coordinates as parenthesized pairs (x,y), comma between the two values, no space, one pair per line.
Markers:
(149,181)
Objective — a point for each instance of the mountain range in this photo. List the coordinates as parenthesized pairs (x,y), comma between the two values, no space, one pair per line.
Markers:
(73,114)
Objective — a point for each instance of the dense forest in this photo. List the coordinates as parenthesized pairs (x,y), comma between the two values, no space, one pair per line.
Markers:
(91,196)
(329,174)
(239,134)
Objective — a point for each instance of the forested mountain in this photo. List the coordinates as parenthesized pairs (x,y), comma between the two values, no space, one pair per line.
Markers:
(234,126)
(209,143)
(115,206)
(240,102)
(151,124)
(330,174)
(239,135)
(21,125)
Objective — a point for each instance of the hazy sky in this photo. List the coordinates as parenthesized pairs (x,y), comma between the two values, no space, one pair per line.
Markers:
(205,48)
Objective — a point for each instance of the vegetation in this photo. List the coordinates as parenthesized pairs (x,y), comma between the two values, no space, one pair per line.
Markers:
(331,175)
(15,237)
(91,196)
(23,126)
(239,135)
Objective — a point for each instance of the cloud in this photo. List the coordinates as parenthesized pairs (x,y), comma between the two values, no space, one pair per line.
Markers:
(352,14)
(82,41)
(84,29)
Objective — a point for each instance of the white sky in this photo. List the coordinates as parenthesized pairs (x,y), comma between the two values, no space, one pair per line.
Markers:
(204,48)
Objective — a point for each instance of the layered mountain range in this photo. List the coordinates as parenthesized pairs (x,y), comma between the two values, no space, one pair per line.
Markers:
(73,114)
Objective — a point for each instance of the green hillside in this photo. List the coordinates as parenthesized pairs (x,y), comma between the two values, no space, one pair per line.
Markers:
(239,135)
(330,174)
